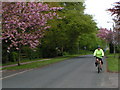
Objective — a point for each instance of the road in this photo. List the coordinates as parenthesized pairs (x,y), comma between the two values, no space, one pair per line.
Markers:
(79,72)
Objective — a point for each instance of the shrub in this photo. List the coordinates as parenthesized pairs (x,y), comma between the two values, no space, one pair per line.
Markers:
(13,56)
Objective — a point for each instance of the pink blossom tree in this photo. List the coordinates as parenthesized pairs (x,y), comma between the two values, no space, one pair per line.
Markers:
(115,11)
(24,23)
(109,36)
(105,34)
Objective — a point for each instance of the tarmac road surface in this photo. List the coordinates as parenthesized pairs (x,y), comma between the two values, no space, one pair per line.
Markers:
(79,72)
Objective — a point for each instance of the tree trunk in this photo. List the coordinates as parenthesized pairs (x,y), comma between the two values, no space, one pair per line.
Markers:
(114,50)
(111,48)
(19,52)
(62,50)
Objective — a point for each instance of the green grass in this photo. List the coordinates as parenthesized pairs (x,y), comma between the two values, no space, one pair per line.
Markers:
(24,60)
(113,63)
(40,63)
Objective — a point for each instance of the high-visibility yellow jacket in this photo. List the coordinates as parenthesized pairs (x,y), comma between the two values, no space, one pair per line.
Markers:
(98,53)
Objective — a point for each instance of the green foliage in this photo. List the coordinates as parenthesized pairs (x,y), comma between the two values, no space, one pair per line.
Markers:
(65,53)
(85,52)
(26,52)
(69,35)
(14,56)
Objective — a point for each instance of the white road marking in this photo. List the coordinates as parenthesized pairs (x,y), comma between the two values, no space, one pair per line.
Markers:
(15,74)
(20,72)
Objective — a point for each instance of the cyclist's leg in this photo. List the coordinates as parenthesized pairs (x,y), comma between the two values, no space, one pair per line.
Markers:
(96,62)
(101,62)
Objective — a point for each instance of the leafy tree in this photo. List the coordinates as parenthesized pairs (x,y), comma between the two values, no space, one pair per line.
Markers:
(65,34)
(116,11)
(78,24)
(24,23)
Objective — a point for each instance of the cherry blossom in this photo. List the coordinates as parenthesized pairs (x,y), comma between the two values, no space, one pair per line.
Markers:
(24,23)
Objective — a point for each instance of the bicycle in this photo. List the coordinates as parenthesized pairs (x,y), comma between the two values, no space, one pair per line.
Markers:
(98,66)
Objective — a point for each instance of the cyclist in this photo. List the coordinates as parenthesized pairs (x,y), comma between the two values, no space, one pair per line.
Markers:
(98,53)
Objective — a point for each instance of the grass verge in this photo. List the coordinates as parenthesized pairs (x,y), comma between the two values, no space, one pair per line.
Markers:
(40,63)
(22,61)
(112,63)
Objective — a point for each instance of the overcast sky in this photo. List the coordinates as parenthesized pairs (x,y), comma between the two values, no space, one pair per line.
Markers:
(98,8)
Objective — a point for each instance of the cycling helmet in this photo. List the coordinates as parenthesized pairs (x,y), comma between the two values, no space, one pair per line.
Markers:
(98,47)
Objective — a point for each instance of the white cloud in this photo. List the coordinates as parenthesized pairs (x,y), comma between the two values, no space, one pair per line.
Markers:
(98,8)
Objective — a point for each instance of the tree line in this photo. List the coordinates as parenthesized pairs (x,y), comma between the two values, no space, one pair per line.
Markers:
(45,30)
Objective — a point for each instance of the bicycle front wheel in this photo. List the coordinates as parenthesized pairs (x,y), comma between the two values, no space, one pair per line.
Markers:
(98,68)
